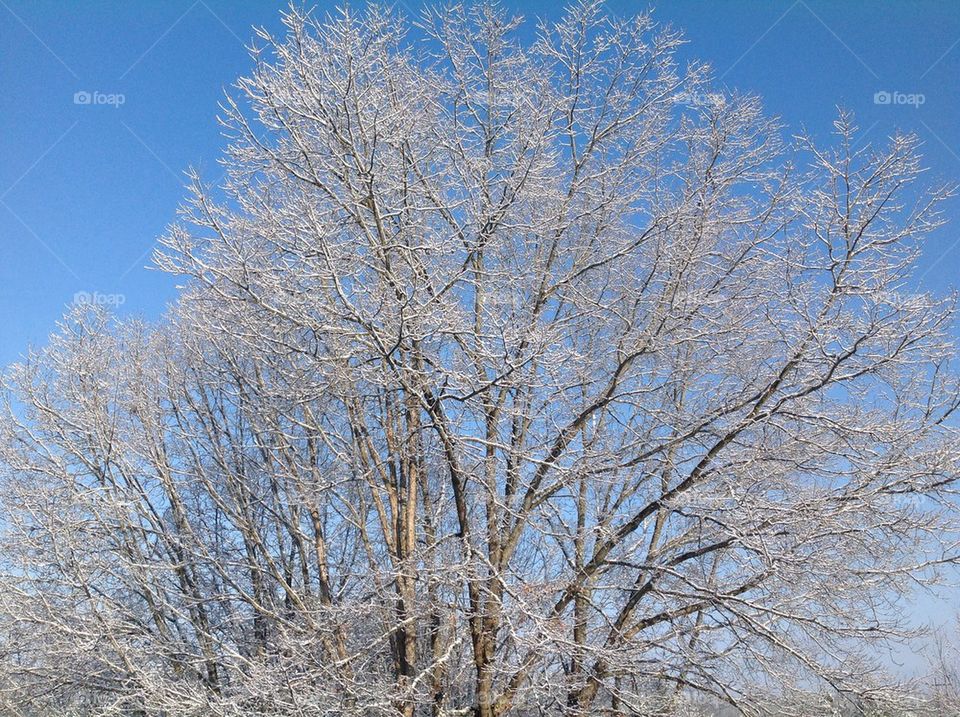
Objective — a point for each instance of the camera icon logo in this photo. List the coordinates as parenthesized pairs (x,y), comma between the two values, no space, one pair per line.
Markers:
(882,98)
(82,98)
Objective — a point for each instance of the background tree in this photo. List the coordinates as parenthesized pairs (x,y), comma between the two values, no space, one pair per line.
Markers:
(508,378)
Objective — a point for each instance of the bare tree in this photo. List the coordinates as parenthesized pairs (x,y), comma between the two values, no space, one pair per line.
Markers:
(944,675)
(509,378)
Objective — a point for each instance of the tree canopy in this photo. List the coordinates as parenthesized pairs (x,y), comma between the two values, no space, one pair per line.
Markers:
(514,373)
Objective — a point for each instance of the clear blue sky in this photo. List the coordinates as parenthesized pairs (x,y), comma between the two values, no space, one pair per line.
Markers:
(86,189)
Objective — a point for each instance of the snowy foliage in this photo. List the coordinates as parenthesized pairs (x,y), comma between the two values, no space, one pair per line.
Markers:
(513,374)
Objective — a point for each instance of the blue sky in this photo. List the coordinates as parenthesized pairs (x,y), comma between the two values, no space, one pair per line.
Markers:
(85,189)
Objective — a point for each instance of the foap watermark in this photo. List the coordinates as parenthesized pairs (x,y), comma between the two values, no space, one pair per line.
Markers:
(95,298)
(83,97)
(884,97)
(701,99)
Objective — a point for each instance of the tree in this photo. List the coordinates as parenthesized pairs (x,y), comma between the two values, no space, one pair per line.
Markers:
(508,378)
(944,675)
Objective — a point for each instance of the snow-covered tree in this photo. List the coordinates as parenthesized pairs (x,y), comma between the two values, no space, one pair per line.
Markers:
(514,373)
